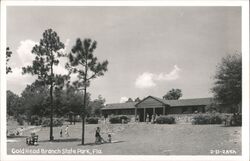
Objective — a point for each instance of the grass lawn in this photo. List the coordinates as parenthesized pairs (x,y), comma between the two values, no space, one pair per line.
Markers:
(138,139)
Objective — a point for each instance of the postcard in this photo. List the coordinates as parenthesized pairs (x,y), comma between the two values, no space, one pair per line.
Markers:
(125,80)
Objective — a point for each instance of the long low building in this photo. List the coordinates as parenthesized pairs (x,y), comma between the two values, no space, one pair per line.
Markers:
(153,105)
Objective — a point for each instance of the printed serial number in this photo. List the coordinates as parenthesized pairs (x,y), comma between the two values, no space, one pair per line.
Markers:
(223,152)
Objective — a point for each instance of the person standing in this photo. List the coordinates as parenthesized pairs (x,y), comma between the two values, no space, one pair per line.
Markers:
(61,131)
(153,119)
(137,118)
(67,131)
(147,118)
(98,138)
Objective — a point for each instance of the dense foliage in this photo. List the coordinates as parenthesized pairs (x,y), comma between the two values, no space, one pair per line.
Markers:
(56,122)
(208,118)
(34,103)
(92,120)
(165,120)
(13,103)
(228,81)
(118,119)
(173,94)
(233,120)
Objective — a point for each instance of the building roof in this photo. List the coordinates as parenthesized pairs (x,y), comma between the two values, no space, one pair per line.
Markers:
(186,102)
(127,105)
(172,103)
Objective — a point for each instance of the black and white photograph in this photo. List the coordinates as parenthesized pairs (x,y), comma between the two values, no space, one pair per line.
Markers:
(124,80)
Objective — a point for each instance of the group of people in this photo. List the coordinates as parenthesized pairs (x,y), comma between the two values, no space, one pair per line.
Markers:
(148,119)
(98,137)
(66,131)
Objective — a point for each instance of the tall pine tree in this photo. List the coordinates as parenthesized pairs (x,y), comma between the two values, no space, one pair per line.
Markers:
(83,63)
(47,54)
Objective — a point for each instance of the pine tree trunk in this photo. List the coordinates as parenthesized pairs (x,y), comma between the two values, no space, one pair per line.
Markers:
(51,138)
(83,114)
(51,113)
(85,97)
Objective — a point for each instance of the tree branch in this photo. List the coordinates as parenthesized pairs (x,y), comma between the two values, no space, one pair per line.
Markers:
(93,76)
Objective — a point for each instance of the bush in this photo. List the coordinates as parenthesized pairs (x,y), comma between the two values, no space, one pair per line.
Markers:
(125,118)
(115,120)
(21,119)
(236,120)
(119,119)
(233,120)
(210,118)
(165,120)
(35,120)
(56,122)
(92,120)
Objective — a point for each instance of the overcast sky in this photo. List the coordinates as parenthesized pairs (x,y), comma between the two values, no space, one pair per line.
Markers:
(150,49)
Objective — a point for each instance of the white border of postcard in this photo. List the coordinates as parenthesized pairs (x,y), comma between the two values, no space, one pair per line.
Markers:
(245,80)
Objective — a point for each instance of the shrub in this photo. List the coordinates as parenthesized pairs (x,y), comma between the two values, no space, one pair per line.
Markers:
(92,120)
(233,120)
(165,120)
(236,120)
(115,120)
(125,118)
(119,119)
(35,120)
(56,122)
(210,118)
(21,119)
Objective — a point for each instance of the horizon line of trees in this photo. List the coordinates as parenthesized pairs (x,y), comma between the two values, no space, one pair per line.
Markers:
(34,100)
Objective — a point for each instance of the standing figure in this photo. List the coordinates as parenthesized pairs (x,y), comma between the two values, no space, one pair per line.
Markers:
(153,119)
(109,138)
(147,118)
(98,138)
(67,131)
(61,131)
(137,118)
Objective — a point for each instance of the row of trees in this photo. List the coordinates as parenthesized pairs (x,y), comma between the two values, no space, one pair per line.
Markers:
(81,62)
(34,100)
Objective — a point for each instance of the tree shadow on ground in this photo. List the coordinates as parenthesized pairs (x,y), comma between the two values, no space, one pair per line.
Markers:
(92,144)
(17,136)
(62,140)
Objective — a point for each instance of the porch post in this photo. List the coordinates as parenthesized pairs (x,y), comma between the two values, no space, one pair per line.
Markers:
(144,115)
(135,113)
(164,110)
(153,110)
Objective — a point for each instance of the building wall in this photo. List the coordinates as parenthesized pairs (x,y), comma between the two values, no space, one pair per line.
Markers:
(185,109)
(151,103)
(119,112)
